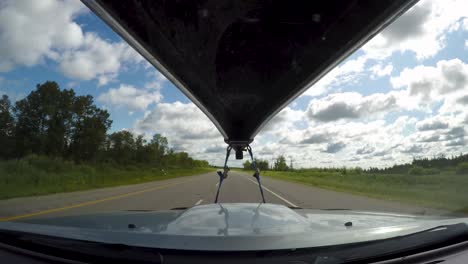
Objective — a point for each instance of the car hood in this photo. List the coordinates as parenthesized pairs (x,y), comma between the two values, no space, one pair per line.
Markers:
(233,226)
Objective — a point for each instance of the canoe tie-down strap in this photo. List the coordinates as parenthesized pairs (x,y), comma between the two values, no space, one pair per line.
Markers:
(223,174)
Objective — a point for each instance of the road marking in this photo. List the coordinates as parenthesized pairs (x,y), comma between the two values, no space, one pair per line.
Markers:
(217,184)
(11,218)
(272,192)
(199,202)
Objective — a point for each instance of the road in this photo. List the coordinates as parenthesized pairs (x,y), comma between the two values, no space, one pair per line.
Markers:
(190,191)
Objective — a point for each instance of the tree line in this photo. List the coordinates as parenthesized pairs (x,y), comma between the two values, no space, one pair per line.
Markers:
(58,123)
(421,166)
(279,164)
(418,166)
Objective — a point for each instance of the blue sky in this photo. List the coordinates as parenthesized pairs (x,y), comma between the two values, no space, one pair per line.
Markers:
(402,95)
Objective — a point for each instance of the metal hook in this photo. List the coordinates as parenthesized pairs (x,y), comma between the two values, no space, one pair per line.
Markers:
(223,175)
(257,172)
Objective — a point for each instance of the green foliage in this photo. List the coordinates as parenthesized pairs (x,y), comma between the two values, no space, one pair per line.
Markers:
(58,123)
(430,165)
(37,175)
(262,164)
(247,165)
(6,128)
(280,164)
(462,168)
(416,170)
(55,122)
(450,189)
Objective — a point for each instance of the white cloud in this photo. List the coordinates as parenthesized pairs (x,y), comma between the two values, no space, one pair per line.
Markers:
(96,58)
(33,31)
(432,124)
(130,97)
(422,30)
(380,71)
(184,122)
(347,72)
(334,147)
(350,105)
(433,83)
(286,118)
(187,129)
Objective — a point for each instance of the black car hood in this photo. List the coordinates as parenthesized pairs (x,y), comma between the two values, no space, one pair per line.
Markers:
(241,62)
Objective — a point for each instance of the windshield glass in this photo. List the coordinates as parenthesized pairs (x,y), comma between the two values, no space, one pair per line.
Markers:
(90,127)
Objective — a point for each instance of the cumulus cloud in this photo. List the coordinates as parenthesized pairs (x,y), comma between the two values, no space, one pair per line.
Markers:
(378,70)
(97,58)
(365,150)
(350,105)
(347,72)
(334,147)
(455,133)
(429,83)
(130,97)
(33,31)
(430,138)
(431,124)
(187,128)
(183,121)
(286,118)
(463,100)
(456,142)
(215,149)
(413,149)
(317,138)
(422,30)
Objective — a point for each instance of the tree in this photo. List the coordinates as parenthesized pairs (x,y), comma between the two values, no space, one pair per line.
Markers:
(44,120)
(56,122)
(247,165)
(90,125)
(262,164)
(159,147)
(280,164)
(122,147)
(7,127)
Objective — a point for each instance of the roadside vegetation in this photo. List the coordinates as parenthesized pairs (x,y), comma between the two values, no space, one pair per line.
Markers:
(439,182)
(55,141)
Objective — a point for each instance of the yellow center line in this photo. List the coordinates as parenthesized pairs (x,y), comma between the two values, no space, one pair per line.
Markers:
(11,218)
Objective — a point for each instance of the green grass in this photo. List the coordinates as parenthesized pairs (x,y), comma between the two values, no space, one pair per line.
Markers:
(36,175)
(444,191)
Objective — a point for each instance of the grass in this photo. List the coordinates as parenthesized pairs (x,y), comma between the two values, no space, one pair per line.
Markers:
(444,191)
(36,175)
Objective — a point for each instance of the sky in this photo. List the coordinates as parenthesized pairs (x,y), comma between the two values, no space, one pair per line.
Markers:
(403,95)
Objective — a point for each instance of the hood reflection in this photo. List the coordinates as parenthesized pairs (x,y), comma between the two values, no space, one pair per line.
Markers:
(236,219)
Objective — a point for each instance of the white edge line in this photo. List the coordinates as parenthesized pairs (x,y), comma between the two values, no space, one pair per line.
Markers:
(199,202)
(272,192)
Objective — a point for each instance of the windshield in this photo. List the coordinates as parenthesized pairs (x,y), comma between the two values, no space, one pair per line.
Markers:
(89,127)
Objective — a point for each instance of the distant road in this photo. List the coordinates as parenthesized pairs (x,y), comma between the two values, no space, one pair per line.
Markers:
(190,191)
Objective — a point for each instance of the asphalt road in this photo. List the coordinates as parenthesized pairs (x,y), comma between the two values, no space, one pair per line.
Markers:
(190,191)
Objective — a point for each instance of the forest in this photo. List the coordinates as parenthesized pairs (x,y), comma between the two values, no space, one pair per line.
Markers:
(54,140)
(58,123)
